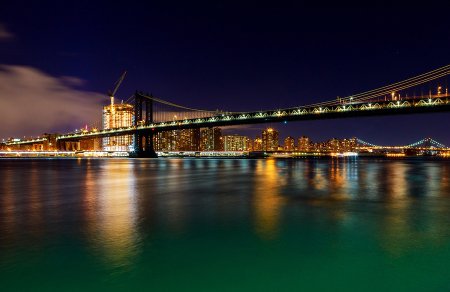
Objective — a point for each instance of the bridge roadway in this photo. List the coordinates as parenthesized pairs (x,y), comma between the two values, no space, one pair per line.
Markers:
(378,108)
(355,109)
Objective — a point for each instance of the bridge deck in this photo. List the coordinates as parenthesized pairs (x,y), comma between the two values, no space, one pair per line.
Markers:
(374,108)
(405,106)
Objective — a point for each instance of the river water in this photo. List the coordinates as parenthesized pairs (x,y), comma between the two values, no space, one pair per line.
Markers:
(224,224)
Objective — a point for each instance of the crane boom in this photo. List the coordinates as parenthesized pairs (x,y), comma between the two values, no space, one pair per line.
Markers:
(111,95)
(118,82)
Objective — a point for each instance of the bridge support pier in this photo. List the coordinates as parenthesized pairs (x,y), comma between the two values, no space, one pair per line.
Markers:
(143,146)
(143,141)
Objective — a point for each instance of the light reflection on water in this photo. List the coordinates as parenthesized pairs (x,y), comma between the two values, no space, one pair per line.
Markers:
(267,201)
(112,224)
(121,211)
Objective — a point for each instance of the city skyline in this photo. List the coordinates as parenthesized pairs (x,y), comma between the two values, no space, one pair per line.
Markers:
(281,58)
(224,146)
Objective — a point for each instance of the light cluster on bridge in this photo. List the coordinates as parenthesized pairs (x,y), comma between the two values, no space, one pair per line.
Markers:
(277,115)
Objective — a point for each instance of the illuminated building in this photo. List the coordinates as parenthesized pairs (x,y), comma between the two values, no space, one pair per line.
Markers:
(349,144)
(90,144)
(166,141)
(333,145)
(189,140)
(339,145)
(289,144)
(249,144)
(211,139)
(304,144)
(235,143)
(257,144)
(177,140)
(118,116)
(270,140)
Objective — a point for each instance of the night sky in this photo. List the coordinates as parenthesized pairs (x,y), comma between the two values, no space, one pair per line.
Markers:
(58,60)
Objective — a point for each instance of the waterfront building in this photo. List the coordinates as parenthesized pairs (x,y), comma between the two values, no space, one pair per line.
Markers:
(189,140)
(304,144)
(333,145)
(270,139)
(235,143)
(177,140)
(249,144)
(339,145)
(257,144)
(91,144)
(348,145)
(289,144)
(118,116)
(211,139)
(166,141)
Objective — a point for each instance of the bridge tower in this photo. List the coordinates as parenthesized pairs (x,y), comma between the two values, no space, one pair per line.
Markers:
(143,140)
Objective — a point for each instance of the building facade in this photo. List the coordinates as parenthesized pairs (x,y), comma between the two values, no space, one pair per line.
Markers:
(235,143)
(211,139)
(166,141)
(117,116)
(270,140)
(289,144)
(304,144)
(189,140)
(257,144)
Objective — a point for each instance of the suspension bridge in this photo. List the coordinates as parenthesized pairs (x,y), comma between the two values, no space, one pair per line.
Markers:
(153,114)
(423,144)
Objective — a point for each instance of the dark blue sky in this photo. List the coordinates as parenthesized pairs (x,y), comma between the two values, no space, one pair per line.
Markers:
(236,56)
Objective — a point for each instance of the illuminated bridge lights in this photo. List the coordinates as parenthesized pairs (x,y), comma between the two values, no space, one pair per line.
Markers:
(280,115)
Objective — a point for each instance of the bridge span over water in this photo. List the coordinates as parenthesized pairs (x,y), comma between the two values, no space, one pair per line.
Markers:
(387,100)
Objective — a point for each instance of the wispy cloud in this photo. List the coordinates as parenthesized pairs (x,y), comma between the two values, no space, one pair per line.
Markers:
(5,34)
(33,102)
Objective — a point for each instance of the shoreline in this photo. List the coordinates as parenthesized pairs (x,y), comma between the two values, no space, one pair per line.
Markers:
(208,155)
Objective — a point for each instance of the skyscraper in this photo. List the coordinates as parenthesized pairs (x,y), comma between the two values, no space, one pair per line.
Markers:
(270,140)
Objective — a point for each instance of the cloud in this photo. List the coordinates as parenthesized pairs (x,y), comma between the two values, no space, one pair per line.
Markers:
(33,102)
(4,33)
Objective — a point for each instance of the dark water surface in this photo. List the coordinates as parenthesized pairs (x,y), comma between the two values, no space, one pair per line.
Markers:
(224,225)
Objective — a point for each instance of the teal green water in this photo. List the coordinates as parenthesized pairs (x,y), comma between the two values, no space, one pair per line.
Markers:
(224,225)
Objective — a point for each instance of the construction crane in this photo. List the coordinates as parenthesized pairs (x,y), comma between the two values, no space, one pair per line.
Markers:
(116,87)
(111,95)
